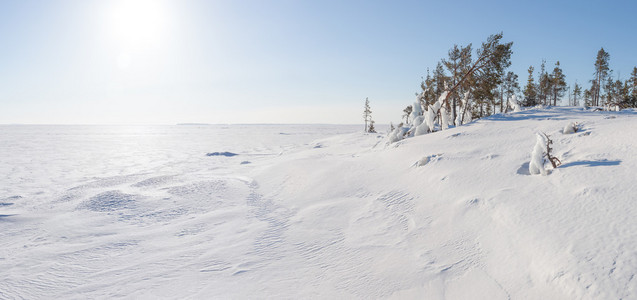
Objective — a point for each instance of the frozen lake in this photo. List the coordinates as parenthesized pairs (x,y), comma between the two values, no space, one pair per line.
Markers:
(124,210)
(40,161)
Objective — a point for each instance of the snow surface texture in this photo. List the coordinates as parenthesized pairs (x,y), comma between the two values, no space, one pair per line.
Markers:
(143,213)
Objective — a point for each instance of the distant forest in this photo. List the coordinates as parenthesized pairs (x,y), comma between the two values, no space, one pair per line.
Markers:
(470,84)
(484,76)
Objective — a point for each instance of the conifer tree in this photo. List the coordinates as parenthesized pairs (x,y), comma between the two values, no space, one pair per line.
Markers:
(609,89)
(371,129)
(511,85)
(577,92)
(439,79)
(485,72)
(407,111)
(557,83)
(457,63)
(601,73)
(367,114)
(428,87)
(544,85)
(453,65)
(588,98)
(530,90)
(631,90)
(632,83)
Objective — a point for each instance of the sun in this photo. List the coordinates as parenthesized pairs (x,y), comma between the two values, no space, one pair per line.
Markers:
(135,23)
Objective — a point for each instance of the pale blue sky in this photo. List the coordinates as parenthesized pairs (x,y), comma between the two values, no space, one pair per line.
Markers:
(165,62)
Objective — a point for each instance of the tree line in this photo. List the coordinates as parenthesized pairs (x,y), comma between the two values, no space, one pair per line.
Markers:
(603,90)
(470,84)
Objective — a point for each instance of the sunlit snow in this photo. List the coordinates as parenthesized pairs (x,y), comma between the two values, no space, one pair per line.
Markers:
(321,211)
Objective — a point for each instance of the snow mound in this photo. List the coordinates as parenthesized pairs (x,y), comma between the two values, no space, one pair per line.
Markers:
(109,201)
(570,128)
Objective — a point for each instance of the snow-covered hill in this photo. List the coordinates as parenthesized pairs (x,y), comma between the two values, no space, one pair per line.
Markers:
(449,215)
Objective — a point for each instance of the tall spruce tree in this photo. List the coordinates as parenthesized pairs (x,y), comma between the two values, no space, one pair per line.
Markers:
(439,79)
(577,92)
(600,75)
(544,85)
(530,90)
(588,98)
(428,86)
(557,83)
(367,114)
(623,90)
(632,83)
(631,86)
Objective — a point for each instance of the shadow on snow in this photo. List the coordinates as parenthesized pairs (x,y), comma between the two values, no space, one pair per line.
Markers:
(592,163)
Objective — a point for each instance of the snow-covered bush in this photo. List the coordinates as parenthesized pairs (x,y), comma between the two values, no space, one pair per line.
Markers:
(542,148)
(515,105)
(417,121)
(416,111)
(536,166)
(570,128)
(437,116)
(421,129)
(430,117)
(398,134)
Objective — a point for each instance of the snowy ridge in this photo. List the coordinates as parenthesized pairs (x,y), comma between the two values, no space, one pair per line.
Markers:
(448,215)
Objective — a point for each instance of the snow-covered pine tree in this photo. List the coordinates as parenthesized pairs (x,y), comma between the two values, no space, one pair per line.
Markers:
(510,86)
(513,103)
(367,113)
(407,113)
(371,128)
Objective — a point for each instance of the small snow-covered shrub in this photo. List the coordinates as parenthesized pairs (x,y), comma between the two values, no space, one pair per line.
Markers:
(430,117)
(421,129)
(513,102)
(416,111)
(570,128)
(536,166)
(417,121)
(542,148)
(398,134)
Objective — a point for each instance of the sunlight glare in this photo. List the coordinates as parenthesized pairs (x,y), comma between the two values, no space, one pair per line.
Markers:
(134,23)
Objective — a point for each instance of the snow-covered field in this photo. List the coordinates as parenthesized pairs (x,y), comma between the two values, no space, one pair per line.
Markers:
(320,211)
